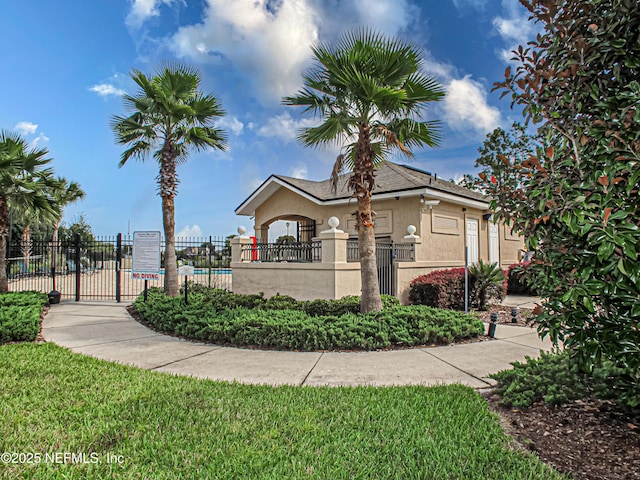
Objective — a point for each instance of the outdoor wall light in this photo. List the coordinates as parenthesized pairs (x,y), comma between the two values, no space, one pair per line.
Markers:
(428,204)
(492,325)
(514,315)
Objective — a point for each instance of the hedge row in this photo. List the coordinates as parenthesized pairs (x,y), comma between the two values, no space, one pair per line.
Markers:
(218,299)
(20,316)
(265,325)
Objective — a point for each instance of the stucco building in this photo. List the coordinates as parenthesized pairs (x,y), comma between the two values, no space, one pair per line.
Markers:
(449,220)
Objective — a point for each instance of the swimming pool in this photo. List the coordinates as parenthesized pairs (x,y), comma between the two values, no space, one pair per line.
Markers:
(205,271)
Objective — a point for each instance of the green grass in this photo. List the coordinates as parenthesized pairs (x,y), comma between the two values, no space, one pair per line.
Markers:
(169,427)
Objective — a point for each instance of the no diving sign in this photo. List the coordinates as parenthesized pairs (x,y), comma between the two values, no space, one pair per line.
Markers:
(145,264)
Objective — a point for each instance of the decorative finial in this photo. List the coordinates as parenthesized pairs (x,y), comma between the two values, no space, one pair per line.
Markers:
(333,223)
(411,230)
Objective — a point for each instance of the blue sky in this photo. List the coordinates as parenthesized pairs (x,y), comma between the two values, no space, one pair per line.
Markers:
(65,65)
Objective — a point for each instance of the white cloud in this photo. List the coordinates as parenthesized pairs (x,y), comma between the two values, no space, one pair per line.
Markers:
(515,28)
(231,124)
(40,139)
(283,126)
(466,106)
(299,171)
(106,89)
(270,41)
(385,16)
(190,231)
(142,10)
(271,48)
(26,128)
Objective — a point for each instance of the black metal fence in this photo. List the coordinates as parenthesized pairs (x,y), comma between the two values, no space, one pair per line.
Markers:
(386,254)
(100,269)
(283,252)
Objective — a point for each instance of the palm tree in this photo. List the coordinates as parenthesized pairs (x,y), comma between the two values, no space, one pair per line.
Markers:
(169,117)
(370,92)
(67,192)
(25,184)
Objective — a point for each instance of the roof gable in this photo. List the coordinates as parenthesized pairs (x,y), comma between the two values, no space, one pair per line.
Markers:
(391,179)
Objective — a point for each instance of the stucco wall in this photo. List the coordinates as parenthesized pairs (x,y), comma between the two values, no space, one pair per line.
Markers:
(511,247)
(302,281)
(285,203)
(442,244)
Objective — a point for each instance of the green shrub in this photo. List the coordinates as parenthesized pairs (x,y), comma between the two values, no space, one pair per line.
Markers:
(282,302)
(552,378)
(331,325)
(575,200)
(487,281)
(557,379)
(20,316)
(219,299)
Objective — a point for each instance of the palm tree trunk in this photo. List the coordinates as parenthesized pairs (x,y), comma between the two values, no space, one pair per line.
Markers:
(170,261)
(362,182)
(370,300)
(4,234)
(168,183)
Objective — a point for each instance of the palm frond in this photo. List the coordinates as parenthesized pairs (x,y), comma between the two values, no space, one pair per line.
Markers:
(334,129)
(138,150)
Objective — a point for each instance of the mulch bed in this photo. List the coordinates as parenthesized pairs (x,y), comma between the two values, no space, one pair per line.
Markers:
(588,439)
(523,319)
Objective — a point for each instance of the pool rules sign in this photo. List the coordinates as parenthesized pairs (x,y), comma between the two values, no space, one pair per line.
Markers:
(146,256)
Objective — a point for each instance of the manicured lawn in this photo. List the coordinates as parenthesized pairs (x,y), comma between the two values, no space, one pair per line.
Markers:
(168,427)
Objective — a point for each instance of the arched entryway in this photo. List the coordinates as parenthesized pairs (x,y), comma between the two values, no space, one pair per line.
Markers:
(301,228)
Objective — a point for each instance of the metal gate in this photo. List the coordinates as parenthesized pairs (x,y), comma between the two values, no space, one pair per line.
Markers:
(384,261)
(100,268)
(385,254)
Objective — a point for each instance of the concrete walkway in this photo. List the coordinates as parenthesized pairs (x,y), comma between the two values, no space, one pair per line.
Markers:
(107,331)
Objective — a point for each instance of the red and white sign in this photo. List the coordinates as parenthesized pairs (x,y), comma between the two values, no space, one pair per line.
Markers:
(145,276)
(146,256)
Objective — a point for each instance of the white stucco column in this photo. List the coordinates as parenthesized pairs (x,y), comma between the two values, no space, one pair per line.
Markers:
(412,239)
(236,246)
(334,243)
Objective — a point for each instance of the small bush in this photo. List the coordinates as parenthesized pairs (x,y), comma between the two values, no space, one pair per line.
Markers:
(20,316)
(556,379)
(445,288)
(441,288)
(487,280)
(282,302)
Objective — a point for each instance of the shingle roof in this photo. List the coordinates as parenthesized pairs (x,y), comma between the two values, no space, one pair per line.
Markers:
(390,177)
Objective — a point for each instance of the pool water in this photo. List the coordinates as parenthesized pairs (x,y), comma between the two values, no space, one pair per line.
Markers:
(205,271)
